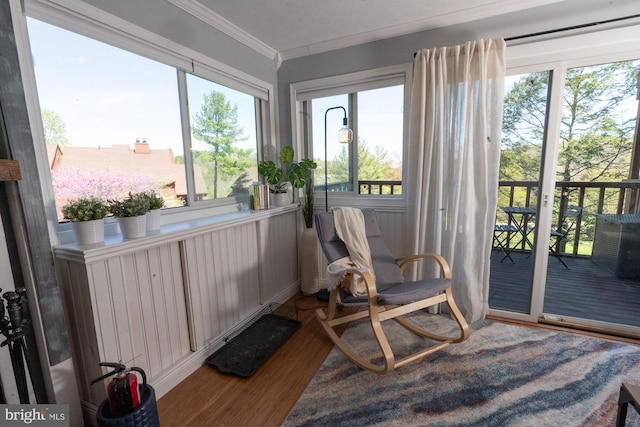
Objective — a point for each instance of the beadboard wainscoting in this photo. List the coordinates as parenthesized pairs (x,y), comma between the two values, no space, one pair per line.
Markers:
(165,302)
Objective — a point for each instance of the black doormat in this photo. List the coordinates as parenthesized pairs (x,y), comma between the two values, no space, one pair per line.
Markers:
(246,351)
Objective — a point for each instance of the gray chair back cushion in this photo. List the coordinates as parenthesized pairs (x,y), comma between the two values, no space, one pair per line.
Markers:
(386,269)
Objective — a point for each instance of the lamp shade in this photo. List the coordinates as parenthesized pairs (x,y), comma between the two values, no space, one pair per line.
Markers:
(345,135)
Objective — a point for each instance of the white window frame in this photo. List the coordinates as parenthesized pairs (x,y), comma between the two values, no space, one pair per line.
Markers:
(557,55)
(345,84)
(92,22)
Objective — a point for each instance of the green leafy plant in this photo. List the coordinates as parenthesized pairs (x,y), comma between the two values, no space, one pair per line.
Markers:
(135,204)
(308,202)
(288,171)
(155,200)
(85,209)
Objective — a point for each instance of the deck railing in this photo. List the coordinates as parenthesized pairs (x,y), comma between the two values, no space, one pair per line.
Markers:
(617,197)
(366,187)
(620,197)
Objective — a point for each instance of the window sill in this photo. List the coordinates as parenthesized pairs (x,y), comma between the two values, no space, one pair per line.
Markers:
(114,244)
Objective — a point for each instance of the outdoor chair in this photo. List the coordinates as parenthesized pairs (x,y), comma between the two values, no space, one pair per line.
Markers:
(571,217)
(387,296)
(502,233)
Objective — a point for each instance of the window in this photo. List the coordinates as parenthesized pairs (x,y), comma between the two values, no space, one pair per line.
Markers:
(223,135)
(374,103)
(116,122)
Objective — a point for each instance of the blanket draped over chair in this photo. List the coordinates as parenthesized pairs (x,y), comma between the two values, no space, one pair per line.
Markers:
(351,230)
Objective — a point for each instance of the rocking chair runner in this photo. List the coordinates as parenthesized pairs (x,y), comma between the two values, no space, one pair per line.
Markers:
(388,296)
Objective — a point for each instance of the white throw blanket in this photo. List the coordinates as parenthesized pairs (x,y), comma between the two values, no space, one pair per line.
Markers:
(350,228)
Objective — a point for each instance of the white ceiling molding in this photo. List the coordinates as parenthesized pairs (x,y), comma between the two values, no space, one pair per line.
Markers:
(471,13)
(208,16)
(429,23)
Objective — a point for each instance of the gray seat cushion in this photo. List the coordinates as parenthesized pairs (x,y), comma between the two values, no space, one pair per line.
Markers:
(385,266)
(389,282)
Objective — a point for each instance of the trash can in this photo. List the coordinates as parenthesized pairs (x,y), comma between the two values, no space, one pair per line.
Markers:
(145,416)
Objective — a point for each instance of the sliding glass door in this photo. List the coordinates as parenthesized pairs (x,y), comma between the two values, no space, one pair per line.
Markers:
(567,237)
(593,274)
(524,123)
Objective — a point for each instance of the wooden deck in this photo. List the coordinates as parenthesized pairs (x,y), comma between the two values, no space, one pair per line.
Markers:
(585,291)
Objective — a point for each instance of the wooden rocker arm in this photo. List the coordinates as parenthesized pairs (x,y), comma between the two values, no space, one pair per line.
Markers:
(403,262)
(370,283)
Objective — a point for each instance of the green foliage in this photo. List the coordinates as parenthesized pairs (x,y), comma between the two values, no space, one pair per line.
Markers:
(217,125)
(308,202)
(136,204)
(271,172)
(85,209)
(372,165)
(55,130)
(295,173)
(595,137)
(155,200)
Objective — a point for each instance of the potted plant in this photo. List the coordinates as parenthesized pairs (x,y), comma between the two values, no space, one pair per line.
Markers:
(131,213)
(156,203)
(309,251)
(87,218)
(281,178)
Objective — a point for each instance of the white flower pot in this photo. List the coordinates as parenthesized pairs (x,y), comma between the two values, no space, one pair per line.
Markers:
(309,262)
(133,227)
(153,220)
(281,199)
(89,232)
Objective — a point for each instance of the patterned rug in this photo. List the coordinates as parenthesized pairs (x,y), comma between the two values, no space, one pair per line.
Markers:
(503,375)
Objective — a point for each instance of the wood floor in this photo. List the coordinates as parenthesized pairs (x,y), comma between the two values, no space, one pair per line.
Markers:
(210,398)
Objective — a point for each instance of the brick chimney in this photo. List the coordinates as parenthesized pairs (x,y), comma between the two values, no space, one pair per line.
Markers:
(141,146)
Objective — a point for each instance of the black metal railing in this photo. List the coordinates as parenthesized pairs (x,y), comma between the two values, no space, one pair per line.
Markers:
(620,197)
(366,187)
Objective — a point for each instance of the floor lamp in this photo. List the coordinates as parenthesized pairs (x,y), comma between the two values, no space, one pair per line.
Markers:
(345,136)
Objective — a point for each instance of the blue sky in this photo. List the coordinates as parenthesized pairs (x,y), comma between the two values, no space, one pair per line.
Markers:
(125,97)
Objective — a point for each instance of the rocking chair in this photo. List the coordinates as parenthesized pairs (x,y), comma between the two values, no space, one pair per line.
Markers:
(388,295)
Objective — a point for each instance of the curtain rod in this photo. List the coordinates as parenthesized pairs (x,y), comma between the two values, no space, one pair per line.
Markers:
(574,27)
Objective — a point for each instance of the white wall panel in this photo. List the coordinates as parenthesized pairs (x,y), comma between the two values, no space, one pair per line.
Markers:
(222,268)
(165,302)
(278,246)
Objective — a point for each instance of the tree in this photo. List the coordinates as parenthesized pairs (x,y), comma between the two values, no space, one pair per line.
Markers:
(372,165)
(595,136)
(217,124)
(55,130)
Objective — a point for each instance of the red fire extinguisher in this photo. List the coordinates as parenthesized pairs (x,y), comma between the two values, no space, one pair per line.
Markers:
(124,394)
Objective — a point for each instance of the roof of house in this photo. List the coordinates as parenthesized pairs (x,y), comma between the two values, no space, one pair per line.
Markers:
(157,163)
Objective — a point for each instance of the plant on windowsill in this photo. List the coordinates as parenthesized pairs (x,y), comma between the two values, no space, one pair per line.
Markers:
(287,174)
(156,203)
(87,219)
(131,213)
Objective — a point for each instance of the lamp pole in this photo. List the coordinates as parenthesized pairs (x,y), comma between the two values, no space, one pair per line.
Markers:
(345,136)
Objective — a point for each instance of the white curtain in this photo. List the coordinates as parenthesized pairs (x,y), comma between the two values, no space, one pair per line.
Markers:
(454,133)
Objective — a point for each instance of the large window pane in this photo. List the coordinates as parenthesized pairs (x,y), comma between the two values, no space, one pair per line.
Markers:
(111,118)
(337,159)
(378,141)
(223,137)
(380,120)
(523,138)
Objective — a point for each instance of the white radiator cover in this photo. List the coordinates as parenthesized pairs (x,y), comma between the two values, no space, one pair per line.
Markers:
(165,302)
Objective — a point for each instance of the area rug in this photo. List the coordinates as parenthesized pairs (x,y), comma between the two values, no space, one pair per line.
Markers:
(503,375)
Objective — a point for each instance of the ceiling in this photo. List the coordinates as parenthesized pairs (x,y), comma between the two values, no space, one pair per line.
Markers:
(287,29)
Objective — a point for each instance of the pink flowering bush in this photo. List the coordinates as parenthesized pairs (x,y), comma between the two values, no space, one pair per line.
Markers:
(72,183)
